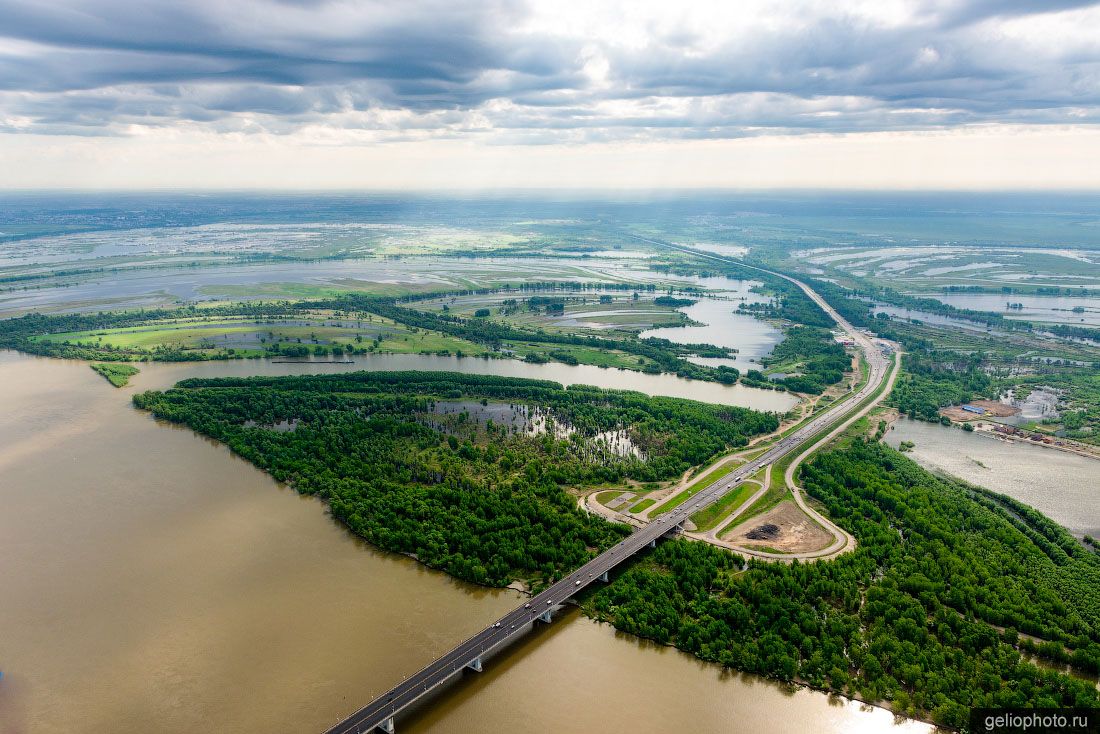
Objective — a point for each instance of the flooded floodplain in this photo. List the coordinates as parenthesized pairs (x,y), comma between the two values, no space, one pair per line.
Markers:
(1082,310)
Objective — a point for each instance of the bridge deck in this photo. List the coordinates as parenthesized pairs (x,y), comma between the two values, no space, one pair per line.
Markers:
(379,713)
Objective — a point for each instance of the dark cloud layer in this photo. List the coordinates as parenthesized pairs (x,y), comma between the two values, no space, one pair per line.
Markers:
(433,68)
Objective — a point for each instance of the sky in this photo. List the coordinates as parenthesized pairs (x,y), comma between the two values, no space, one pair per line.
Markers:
(301,94)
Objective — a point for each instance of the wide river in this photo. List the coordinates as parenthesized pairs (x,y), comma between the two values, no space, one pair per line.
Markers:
(151,581)
(1063,486)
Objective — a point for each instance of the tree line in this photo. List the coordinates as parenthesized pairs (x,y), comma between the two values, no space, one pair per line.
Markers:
(489,506)
(931,612)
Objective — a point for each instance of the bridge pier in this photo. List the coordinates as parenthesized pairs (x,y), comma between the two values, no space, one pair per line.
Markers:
(604,578)
(387,726)
(475,664)
(652,543)
(545,617)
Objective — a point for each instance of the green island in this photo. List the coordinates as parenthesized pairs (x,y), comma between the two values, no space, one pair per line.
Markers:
(459,470)
(117,374)
(954,597)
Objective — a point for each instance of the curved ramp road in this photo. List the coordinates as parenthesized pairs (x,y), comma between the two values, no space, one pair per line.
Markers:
(838,415)
(380,713)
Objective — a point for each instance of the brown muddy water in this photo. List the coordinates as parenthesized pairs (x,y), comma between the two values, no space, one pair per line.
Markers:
(151,581)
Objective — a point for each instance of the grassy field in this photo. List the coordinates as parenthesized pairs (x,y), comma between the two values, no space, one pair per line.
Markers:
(583,354)
(583,311)
(710,517)
(248,337)
(604,497)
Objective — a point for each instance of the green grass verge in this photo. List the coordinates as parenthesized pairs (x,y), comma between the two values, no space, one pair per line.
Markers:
(643,505)
(693,489)
(604,497)
(710,517)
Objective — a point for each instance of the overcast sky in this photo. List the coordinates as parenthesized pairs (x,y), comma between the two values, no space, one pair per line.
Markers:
(454,94)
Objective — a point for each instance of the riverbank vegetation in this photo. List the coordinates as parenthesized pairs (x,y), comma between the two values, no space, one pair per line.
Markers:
(927,614)
(947,591)
(345,325)
(117,374)
(454,468)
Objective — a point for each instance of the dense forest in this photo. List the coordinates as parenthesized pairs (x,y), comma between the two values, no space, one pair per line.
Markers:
(816,357)
(933,612)
(481,500)
(933,379)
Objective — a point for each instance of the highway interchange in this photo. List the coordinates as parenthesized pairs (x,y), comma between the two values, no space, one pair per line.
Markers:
(380,712)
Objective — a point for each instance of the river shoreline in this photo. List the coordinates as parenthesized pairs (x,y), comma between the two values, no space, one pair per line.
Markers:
(1063,485)
(196,576)
(989,430)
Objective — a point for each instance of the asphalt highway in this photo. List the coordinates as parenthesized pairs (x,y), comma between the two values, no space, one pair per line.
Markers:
(379,713)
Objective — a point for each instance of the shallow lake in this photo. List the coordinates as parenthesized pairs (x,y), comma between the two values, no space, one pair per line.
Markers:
(1052,309)
(722,325)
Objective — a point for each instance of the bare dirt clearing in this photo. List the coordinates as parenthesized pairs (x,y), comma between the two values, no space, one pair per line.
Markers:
(784,528)
(989,408)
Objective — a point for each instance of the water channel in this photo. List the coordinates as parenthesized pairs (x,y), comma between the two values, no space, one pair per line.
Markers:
(161,375)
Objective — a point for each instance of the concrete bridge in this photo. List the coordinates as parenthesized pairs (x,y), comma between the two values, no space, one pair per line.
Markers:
(380,713)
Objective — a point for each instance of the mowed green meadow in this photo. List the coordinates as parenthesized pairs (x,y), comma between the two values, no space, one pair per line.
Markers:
(247,335)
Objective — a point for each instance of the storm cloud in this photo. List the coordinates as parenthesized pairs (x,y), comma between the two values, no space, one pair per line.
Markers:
(542,72)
